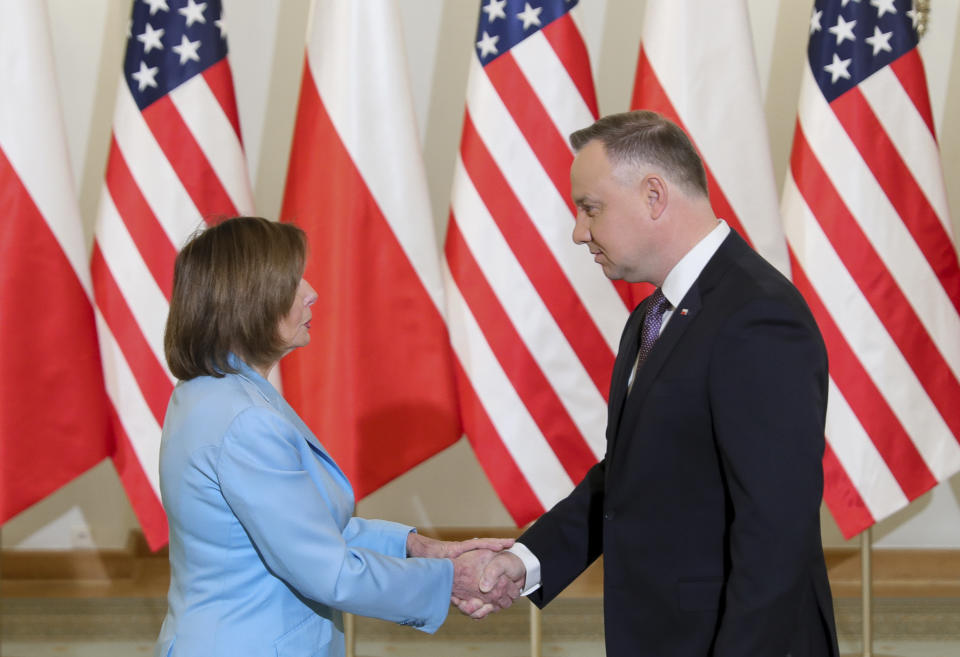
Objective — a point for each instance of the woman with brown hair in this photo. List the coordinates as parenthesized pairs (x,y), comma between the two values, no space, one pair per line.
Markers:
(265,553)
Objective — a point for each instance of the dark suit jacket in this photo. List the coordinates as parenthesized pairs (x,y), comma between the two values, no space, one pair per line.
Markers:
(706,506)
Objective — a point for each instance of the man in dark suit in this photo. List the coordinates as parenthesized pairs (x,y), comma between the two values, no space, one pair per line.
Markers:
(706,505)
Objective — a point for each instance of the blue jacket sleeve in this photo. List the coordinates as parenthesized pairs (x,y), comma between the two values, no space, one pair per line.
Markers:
(295,512)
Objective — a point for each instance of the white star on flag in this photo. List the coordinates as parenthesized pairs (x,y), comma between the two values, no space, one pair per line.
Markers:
(151,38)
(193,12)
(157,5)
(187,50)
(838,68)
(846,1)
(146,76)
(222,27)
(530,16)
(843,30)
(815,22)
(879,41)
(883,7)
(494,10)
(487,45)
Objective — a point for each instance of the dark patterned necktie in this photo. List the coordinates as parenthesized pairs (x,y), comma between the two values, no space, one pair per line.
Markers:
(651,324)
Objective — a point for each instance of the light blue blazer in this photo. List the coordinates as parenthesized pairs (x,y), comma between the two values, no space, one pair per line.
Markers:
(264,551)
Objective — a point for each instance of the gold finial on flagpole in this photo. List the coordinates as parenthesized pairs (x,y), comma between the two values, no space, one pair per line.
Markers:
(922,8)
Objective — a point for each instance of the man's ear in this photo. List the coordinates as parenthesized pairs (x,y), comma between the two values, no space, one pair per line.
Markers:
(654,192)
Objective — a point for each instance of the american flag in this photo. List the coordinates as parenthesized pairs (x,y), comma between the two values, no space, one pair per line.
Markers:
(53,411)
(867,223)
(533,322)
(696,67)
(376,382)
(175,159)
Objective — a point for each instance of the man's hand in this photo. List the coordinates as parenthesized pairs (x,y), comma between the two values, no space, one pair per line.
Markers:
(422,546)
(467,596)
(501,574)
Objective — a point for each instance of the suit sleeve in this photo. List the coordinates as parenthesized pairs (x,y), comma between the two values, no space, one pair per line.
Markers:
(568,537)
(288,517)
(768,392)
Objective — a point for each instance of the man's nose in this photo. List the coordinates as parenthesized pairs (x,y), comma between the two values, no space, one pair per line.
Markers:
(581,233)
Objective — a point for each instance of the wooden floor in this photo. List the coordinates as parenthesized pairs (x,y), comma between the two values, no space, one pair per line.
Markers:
(112,603)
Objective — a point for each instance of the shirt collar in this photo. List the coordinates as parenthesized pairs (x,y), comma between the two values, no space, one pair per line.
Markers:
(681,278)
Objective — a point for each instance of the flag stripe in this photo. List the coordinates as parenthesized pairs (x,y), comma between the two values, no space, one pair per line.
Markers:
(528,114)
(534,257)
(544,206)
(145,300)
(910,135)
(840,494)
(856,452)
(875,282)
(888,370)
(150,377)
(143,494)
(147,234)
(519,365)
(898,184)
(217,141)
(187,158)
(909,71)
(527,313)
(137,421)
(865,400)
(518,498)
(156,179)
(511,420)
(559,96)
(220,83)
(568,44)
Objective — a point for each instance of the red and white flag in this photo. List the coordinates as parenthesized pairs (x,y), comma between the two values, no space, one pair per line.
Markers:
(866,218)
(175,160)
(533,321)
(376,383)
(697,68)
(53,412)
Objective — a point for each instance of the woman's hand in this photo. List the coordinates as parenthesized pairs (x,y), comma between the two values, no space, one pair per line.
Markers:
(423,546)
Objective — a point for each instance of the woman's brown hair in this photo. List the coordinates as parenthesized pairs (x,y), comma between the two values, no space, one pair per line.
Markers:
(232,284)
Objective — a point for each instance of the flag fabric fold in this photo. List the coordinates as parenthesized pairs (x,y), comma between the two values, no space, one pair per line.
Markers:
(697,67)
(376,383)
(175,161)
(871,249)
(533,322)
(53,411)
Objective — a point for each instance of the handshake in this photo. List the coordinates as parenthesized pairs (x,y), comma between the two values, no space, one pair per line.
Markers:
(486,578)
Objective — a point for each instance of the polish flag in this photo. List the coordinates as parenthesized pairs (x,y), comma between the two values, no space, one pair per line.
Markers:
(376,383)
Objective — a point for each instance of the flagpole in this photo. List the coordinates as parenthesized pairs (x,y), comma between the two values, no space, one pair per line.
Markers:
(866,592)
(350,634)
(536,631)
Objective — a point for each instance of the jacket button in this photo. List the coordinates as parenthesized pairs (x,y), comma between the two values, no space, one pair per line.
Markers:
(608,515)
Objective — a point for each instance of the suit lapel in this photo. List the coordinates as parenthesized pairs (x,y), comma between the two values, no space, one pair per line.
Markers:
(683,317)
(623,366)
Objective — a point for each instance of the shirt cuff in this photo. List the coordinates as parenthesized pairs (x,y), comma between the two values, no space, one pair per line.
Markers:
(531,563)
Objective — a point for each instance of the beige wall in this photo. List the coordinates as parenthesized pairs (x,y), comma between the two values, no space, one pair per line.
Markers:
(267,40)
